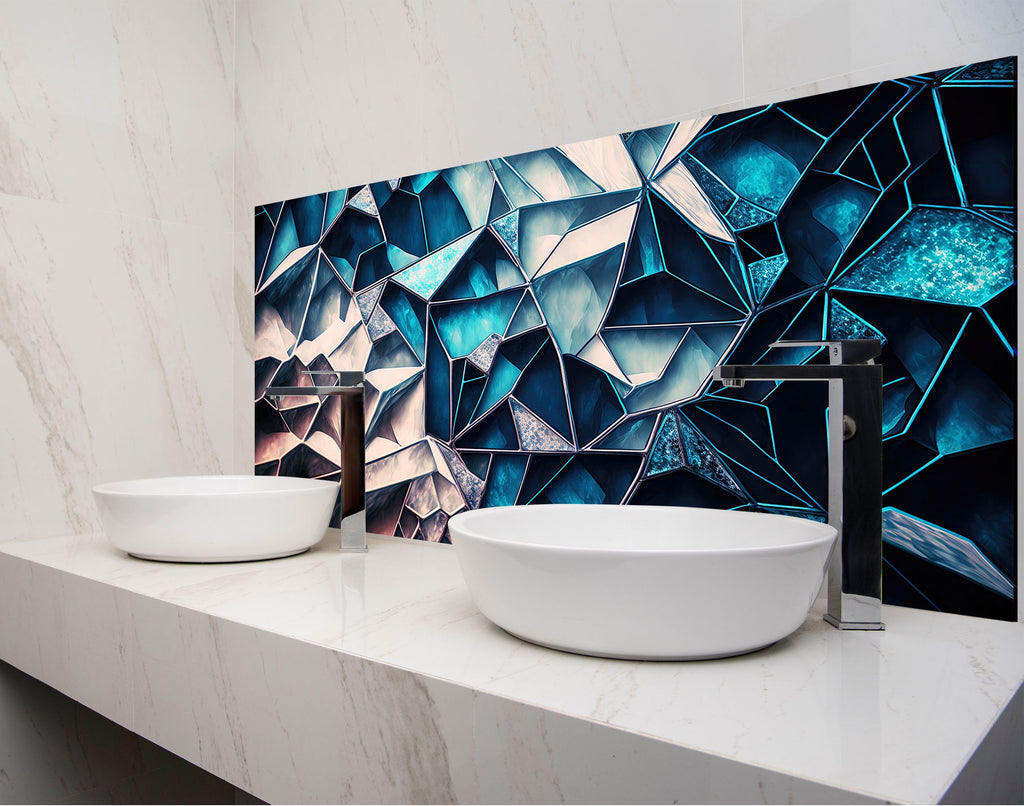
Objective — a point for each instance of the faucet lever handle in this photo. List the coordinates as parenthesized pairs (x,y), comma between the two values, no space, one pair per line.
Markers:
(841,351)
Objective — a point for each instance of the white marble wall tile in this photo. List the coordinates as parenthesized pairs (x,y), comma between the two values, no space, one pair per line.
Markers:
(526,75)
(898,67)
(115,334)
(390,88)
(119,105)
(802,41)
(115,240)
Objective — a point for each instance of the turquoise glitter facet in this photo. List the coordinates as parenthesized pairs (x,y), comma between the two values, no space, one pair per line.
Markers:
(702,460)
(744,215)
(426,276)
(507,228)
(940,255)
(667,452)
(764,273)
(364,201)
(845,324)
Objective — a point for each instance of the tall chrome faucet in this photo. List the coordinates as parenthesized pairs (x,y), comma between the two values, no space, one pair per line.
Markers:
(854,469)
(348,386)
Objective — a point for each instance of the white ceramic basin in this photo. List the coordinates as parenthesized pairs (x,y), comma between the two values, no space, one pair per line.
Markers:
(648,583)
(210,519)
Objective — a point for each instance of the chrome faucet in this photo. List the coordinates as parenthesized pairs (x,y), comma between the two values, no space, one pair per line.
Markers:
(854,469)
(352,493)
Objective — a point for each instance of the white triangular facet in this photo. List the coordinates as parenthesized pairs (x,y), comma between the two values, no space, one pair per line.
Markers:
(681,190)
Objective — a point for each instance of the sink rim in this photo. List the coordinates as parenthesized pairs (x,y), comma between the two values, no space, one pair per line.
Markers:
(817,533)
(136,488)
(215,518)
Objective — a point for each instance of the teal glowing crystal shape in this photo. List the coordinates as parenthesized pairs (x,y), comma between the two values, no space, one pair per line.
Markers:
(937,254)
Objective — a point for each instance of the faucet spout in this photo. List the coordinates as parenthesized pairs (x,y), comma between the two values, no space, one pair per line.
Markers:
(854,469)
(739,374)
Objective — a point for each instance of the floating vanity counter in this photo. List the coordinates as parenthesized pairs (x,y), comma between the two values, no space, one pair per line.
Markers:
(372,678)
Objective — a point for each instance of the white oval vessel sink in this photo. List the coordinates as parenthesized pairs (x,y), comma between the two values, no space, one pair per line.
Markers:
(642,582)
(210,519)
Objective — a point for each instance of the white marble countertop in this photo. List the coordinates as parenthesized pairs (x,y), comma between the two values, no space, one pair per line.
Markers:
(822,715)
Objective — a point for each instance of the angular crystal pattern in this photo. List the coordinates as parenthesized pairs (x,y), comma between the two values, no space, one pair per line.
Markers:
(944,548)
(542,327)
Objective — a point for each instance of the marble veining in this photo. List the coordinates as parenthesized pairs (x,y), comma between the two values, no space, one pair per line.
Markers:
(422,698)
(50,393)
(110,374)
(104,107)
(116,183)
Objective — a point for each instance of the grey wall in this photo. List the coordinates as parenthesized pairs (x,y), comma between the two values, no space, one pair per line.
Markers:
(54,750)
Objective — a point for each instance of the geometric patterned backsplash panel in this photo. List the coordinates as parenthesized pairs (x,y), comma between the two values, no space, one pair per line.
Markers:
(542,328)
